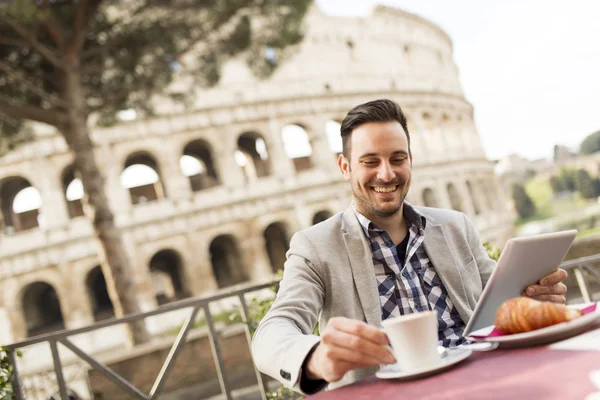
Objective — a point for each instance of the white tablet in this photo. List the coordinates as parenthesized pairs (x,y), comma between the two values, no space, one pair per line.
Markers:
(523,262)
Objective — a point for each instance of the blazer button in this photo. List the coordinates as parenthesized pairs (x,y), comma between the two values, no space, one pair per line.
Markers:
(285,374)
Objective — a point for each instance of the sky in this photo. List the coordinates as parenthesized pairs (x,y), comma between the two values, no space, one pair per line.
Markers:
(531,68)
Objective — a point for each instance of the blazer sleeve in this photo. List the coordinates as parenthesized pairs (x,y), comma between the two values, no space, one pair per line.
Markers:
(485,264)
(284,337)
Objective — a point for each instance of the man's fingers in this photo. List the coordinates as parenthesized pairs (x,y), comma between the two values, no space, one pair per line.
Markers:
(555,277)
(342,354)
(359,328)
(358,345)
(337,370)
(553,298)
(536,290)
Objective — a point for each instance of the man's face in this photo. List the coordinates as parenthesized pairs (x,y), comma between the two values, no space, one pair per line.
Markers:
(379,169)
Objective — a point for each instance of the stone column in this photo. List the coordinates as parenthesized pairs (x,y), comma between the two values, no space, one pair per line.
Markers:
(74,300)
(229,172)
(177,185)
(54,202)
(6,328)
(282,166)
(303,214)
(254,253)
(255,258)
(424,156)
(323,157)
(141,273)
(198,267)
(467,200)
(16,321)
(442,195)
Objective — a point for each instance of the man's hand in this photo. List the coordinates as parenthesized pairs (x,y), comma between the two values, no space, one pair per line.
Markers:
(549,288)
(347,344)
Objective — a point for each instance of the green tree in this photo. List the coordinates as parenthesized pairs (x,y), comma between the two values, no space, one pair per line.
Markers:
(523,203)
(557,185)
(567,176)
(62,61)
(591,144)
(586,185)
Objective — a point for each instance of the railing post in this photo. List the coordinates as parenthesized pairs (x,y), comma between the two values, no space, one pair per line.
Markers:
(163,375)
(58,370)
(216,352)
(262,384)
(15,380)
(585,293)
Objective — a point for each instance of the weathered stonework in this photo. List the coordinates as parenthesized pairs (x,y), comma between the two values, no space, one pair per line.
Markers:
(342,62)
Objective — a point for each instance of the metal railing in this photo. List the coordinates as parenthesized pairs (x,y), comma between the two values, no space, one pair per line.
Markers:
(579,266)
(62,337)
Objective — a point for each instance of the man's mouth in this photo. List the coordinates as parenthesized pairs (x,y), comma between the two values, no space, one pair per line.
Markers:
(385,189)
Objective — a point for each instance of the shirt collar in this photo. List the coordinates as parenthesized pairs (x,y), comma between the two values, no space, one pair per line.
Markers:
(411,215)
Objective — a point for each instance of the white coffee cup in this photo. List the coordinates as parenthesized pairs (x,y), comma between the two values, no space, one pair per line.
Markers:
(414,339)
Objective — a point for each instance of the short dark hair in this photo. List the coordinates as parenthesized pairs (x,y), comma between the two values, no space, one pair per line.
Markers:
(382,110)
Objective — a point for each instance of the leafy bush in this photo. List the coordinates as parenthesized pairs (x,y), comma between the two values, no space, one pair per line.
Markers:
(6,371)
(492,251)
(523,203)
(591,144)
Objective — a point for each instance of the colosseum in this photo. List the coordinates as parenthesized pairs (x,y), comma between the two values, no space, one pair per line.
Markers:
(209,196)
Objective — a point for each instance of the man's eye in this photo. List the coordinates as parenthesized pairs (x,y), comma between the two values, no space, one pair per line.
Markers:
(370,163)
(398,160)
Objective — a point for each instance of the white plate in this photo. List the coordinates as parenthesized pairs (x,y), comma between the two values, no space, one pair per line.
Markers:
(452,357)
(545,335)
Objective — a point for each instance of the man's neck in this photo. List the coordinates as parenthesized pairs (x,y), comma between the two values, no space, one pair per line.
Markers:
(394,225)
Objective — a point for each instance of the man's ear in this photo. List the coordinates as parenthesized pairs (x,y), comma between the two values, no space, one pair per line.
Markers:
(344,165)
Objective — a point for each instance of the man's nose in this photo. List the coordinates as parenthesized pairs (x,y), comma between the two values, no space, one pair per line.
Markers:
(385,172)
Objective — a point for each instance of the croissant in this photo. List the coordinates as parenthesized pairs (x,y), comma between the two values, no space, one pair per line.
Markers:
(523,314)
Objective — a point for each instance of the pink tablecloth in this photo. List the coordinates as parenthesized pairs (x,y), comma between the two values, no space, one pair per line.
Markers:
(533,373)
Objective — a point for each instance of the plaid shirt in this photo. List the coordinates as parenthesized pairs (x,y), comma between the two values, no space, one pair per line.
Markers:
(411,284)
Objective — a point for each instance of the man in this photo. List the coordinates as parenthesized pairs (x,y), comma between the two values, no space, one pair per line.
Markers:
(381,258)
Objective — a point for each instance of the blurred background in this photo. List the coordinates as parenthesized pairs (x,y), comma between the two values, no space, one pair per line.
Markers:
(155,151)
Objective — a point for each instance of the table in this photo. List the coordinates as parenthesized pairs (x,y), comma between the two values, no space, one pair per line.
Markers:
(530,373)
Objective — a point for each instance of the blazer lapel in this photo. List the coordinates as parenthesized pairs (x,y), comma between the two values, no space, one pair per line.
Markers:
(439,252)
(361,262)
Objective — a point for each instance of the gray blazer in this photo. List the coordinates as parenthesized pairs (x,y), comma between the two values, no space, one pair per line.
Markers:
(329,272)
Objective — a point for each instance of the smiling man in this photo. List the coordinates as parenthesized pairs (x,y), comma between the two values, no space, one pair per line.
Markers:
(380,258)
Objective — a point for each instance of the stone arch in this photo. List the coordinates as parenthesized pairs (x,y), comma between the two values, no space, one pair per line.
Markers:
(429,198)
(41,309)
(226,259)
(321,216)
(296,142)
(200,169)
(100,301)
(141,176)
(255,162)
(276,244)
(20,203)
(167,275)
(73,192)
(474,198)
(456,200)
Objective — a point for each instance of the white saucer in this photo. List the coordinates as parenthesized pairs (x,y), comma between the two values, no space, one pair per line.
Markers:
(451,357)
